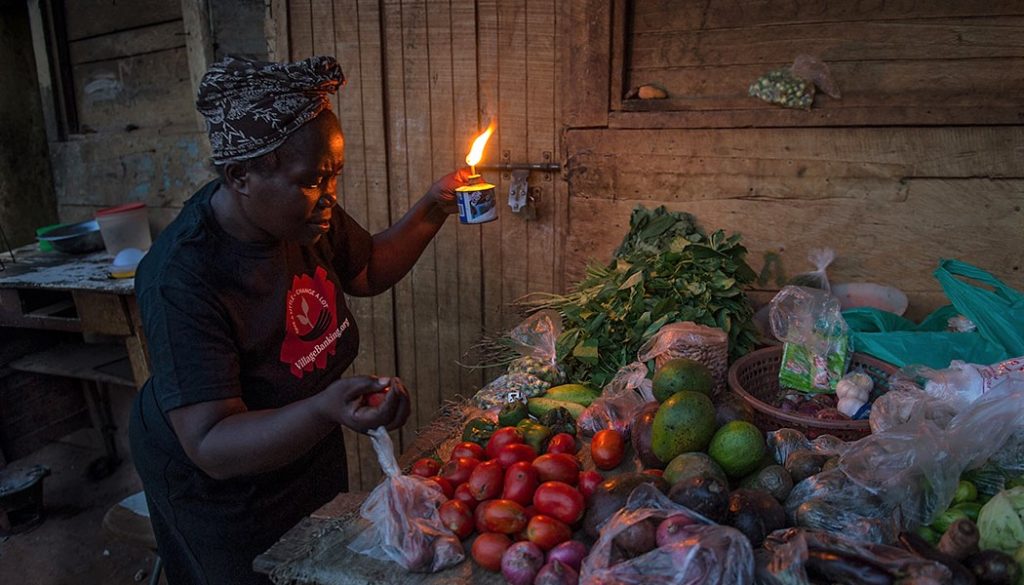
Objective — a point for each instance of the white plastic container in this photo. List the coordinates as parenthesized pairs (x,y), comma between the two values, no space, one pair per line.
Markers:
(124,226)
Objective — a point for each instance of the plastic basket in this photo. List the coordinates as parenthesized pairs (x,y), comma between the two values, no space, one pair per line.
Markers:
(755,378)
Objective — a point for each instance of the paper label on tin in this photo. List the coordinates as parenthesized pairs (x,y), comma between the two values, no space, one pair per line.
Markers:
(477,206)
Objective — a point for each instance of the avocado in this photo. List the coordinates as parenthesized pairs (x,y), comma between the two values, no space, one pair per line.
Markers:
(640,437)
(731,407)
(637,539)
(755,513)
(804,463)
(611,494)
(684,422)
(705,495)
(773,479)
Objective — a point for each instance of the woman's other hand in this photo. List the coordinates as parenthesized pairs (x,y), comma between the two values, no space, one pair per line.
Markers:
(363,403)
(442,192)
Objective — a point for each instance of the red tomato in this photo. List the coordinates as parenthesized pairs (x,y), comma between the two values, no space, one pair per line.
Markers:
(468,449)
(520,481)
(488,548)
(458,470)
(444,486)
(559,500)
(426,467)
(500,438)
(503,516)
(562,443)
(465,496)
(589,481)
(457,517)
(375,399)
(557,467)
(607,449)
(515,452)
(486,481)
(547,532)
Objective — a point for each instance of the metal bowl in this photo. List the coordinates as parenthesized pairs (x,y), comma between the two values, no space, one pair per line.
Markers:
(76,238)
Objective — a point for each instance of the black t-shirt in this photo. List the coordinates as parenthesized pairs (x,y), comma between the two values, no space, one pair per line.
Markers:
(264,322)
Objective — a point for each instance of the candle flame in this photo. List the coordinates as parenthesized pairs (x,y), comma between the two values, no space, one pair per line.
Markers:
(477,151)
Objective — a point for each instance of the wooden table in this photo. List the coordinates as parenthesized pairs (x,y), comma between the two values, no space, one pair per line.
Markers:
(315,551)
(74,293)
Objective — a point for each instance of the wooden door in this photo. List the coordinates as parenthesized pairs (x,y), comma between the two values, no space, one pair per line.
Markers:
(424,77)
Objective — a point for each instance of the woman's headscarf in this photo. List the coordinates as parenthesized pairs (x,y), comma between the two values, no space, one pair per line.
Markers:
(251,107)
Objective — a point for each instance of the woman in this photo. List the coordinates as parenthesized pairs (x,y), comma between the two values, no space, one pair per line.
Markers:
(236,435)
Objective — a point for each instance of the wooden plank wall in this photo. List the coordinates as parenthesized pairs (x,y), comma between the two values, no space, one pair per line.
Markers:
(920,160)
(424,78)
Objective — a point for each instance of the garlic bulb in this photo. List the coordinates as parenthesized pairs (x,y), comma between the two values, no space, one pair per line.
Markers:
(853,392)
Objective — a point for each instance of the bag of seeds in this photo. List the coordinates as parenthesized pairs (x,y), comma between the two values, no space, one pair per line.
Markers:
(535,340)
(707,345)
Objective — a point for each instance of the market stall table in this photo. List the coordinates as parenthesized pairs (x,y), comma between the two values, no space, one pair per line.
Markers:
(315,551)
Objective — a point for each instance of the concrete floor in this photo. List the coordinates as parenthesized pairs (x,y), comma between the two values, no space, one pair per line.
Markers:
(70,546)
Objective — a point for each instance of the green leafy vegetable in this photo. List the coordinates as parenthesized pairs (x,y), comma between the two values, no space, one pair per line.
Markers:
(1001,521)
(665,270)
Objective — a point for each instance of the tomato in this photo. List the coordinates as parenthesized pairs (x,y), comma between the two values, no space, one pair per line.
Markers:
(375,399)
(457,517)
(557,467)
(547,532)
(607,449)
(426,467)
(443,485)
(488,549)
(559,500)
(465,496)
(520,481)
(589,481)
(503,516)
(500,438)
(468,449)
(514,452)
(457,470)
(486,481)
(562,443)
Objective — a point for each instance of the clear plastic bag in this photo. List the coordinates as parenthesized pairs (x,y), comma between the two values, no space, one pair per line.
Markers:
(782,442)
(794,554)
(509,388)
(817,341)
(404,523)
(535,340)
(706,554)
(620,402)
(707,345)
(817,278)
(903,477)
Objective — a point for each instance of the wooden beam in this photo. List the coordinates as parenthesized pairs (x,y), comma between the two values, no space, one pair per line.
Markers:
(276,30)
(198,44)
(40,48)
(589,35)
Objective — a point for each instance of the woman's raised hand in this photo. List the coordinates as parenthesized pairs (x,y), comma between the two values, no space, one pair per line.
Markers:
(364,402)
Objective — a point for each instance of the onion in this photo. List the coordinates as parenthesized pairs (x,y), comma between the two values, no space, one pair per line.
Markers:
(520,563)
(570,553)
(557,573)
(673,529)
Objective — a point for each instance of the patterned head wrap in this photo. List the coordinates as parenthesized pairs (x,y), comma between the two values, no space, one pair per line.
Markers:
(251,107)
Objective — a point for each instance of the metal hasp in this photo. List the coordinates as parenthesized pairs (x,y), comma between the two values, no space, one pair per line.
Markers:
(519,190)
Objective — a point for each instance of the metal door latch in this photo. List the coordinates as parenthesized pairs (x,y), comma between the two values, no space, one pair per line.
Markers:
(518,191)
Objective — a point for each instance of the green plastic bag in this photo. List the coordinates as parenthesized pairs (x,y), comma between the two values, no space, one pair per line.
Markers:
(998,314)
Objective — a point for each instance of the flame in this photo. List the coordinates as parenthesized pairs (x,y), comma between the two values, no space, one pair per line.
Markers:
(477,151)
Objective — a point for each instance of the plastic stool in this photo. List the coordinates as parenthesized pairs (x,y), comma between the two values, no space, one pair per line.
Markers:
(129,520)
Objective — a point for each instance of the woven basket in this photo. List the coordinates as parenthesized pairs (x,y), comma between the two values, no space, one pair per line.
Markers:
(755,378)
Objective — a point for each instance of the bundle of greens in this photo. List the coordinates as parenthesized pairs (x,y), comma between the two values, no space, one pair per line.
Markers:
(665,270)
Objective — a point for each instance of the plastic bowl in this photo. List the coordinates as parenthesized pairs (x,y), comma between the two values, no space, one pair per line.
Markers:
(869,294)
(124,226)
(76,238)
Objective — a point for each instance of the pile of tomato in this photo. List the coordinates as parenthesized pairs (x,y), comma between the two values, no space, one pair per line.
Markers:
(507,492)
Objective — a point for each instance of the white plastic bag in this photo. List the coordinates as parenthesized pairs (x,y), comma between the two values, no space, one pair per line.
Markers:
(404,523)
(707,345)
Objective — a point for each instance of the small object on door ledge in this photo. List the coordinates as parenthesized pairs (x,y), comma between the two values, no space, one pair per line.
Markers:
(647,92)
(794,86)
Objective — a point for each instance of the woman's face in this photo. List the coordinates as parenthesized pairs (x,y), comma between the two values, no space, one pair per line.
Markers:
(293,200)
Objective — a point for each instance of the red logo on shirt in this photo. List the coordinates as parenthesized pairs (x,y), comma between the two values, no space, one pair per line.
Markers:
(311,323)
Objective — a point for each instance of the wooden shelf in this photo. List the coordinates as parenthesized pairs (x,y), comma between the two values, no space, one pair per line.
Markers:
(97,362)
